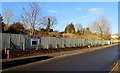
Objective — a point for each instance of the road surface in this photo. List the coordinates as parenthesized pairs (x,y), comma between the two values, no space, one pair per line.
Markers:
(99,60)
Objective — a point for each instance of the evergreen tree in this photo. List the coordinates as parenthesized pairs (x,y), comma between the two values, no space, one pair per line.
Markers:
(70,28)
(48,25)
(4,26)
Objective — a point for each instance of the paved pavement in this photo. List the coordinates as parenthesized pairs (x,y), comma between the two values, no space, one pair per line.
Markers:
(116,67)
(99,60)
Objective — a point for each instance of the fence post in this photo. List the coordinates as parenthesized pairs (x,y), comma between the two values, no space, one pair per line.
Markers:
(7,54)
(63,43)
(36,45)
(5,51)
(47,44)
(56,43)
(23,46)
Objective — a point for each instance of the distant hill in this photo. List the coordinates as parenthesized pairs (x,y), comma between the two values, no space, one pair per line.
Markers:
(84,36)
(71,35)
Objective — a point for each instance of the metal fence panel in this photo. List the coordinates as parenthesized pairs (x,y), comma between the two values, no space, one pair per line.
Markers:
(18,41)
(5,40)
(24,42)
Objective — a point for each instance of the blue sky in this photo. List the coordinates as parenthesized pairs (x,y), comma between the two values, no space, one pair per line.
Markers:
(71,12)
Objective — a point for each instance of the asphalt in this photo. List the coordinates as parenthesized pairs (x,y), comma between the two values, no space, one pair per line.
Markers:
(99,60)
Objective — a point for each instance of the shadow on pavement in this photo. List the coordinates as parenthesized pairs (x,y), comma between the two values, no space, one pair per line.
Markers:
(23,61)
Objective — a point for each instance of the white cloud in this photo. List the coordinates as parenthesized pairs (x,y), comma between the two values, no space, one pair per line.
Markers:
(52,11)
(78,8)
(95,10)
(85,16)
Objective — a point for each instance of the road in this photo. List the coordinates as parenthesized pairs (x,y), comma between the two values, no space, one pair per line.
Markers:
(99,60)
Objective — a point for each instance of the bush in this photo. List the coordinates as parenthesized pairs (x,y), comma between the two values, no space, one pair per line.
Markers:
(16,28)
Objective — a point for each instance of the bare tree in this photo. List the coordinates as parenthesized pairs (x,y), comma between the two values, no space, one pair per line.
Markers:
(8,16)
(48,21)
(31,16)
(101,26)
(78,27)
(107,34)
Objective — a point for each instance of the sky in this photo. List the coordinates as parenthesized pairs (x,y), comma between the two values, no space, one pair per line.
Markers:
(71,12)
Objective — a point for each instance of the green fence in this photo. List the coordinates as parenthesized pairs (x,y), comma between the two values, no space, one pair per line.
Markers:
(19,41)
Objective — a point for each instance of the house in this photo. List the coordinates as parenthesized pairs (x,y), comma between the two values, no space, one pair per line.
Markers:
(114,36)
